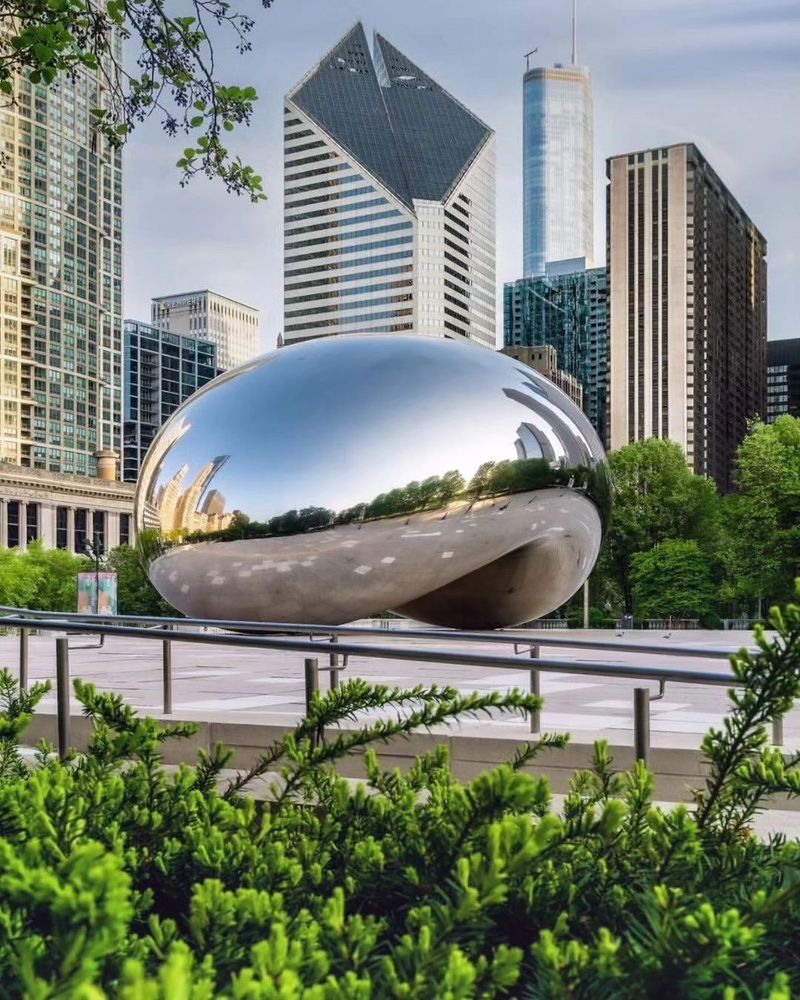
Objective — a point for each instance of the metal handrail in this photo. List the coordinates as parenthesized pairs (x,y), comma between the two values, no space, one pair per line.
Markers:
(520,637)
(76,623)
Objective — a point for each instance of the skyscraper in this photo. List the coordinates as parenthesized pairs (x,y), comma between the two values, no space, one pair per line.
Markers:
(783,378)
(389,220)
(687,312)
(557,150)
(568,311)
(234,327)
(161,371)
(61,277)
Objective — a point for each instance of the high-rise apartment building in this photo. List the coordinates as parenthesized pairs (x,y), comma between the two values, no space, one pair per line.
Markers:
(557,152)
(233,326)
(60,279)
(389,216)
(687,306)
(161,371)
(783,378)
(569,311)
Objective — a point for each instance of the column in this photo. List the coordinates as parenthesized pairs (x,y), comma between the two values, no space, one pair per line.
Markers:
(112,530)
(3,525)
(23,526)
(47,525)
(71,529)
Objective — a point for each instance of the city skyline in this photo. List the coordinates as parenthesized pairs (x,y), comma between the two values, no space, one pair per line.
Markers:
(673,74)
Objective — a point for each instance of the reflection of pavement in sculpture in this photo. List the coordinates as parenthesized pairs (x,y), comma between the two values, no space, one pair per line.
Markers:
(358,568)
(368,473)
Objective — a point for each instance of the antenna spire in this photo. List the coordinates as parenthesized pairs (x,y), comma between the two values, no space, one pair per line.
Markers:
(574,35)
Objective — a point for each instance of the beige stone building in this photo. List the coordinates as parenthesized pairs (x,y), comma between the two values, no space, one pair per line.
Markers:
(233,326)
(687,307)
(64,511)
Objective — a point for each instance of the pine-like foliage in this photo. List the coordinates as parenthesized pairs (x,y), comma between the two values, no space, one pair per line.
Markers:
(121,879)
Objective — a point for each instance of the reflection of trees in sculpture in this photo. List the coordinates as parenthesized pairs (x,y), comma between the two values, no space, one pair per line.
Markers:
(492,479)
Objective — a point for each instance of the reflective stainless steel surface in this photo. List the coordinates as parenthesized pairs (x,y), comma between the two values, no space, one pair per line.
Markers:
(346,476)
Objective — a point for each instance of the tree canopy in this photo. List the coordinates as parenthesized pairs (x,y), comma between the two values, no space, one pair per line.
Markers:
(762,550)
(672,580)
(656,498)
(170,71)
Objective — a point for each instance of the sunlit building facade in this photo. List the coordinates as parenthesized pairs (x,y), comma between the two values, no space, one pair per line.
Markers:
(389,202)
(235,328)
(60,278)
(687,308)
(557,144)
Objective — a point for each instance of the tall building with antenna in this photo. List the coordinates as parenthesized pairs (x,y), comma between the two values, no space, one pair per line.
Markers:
(557,164)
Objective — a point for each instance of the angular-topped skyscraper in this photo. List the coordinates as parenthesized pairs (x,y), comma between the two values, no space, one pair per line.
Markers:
(389,190)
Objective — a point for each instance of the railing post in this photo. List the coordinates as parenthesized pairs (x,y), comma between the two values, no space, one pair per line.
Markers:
(312,686)
(23,659)
(536,717)
(166,663)
(641,723)
(312,680)
(334,665)
(777,732)
(62,695)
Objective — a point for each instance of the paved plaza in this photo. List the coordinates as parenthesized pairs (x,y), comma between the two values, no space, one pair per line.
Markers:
(266,686)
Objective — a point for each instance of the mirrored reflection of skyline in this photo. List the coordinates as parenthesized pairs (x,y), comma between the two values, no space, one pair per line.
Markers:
(283,442)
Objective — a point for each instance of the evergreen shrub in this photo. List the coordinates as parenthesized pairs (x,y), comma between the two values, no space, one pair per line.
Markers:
(119,878)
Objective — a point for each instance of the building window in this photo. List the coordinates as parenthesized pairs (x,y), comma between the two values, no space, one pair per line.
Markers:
(62,533)
(124,529)
(12,513)
(81,517)
(32,522)
(99,531)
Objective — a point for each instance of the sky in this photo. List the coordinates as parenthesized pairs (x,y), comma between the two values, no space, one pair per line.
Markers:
(724,74)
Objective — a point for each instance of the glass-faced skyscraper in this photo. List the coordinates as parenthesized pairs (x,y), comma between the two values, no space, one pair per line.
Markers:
(568,311)
(556,166)
(161,371)
(60,277)
(389,215)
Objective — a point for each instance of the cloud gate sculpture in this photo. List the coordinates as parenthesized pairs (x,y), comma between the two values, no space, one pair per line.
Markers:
(339,478)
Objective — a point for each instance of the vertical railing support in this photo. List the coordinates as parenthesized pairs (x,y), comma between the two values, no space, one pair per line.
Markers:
(312,687)
(166,665)
(334,665)
(62,696)
(536,717)
(777,732)
(23,659)
(641,723)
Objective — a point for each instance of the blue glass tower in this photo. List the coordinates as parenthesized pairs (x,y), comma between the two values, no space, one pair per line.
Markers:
(556,166)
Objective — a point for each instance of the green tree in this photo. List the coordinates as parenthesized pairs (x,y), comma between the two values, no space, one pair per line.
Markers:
(40,579)
(762,520)
(656,498)
(17,583)
(672,580)
(170,70)
(135,594)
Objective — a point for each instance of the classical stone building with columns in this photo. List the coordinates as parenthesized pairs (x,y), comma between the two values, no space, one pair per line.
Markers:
(64,511)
